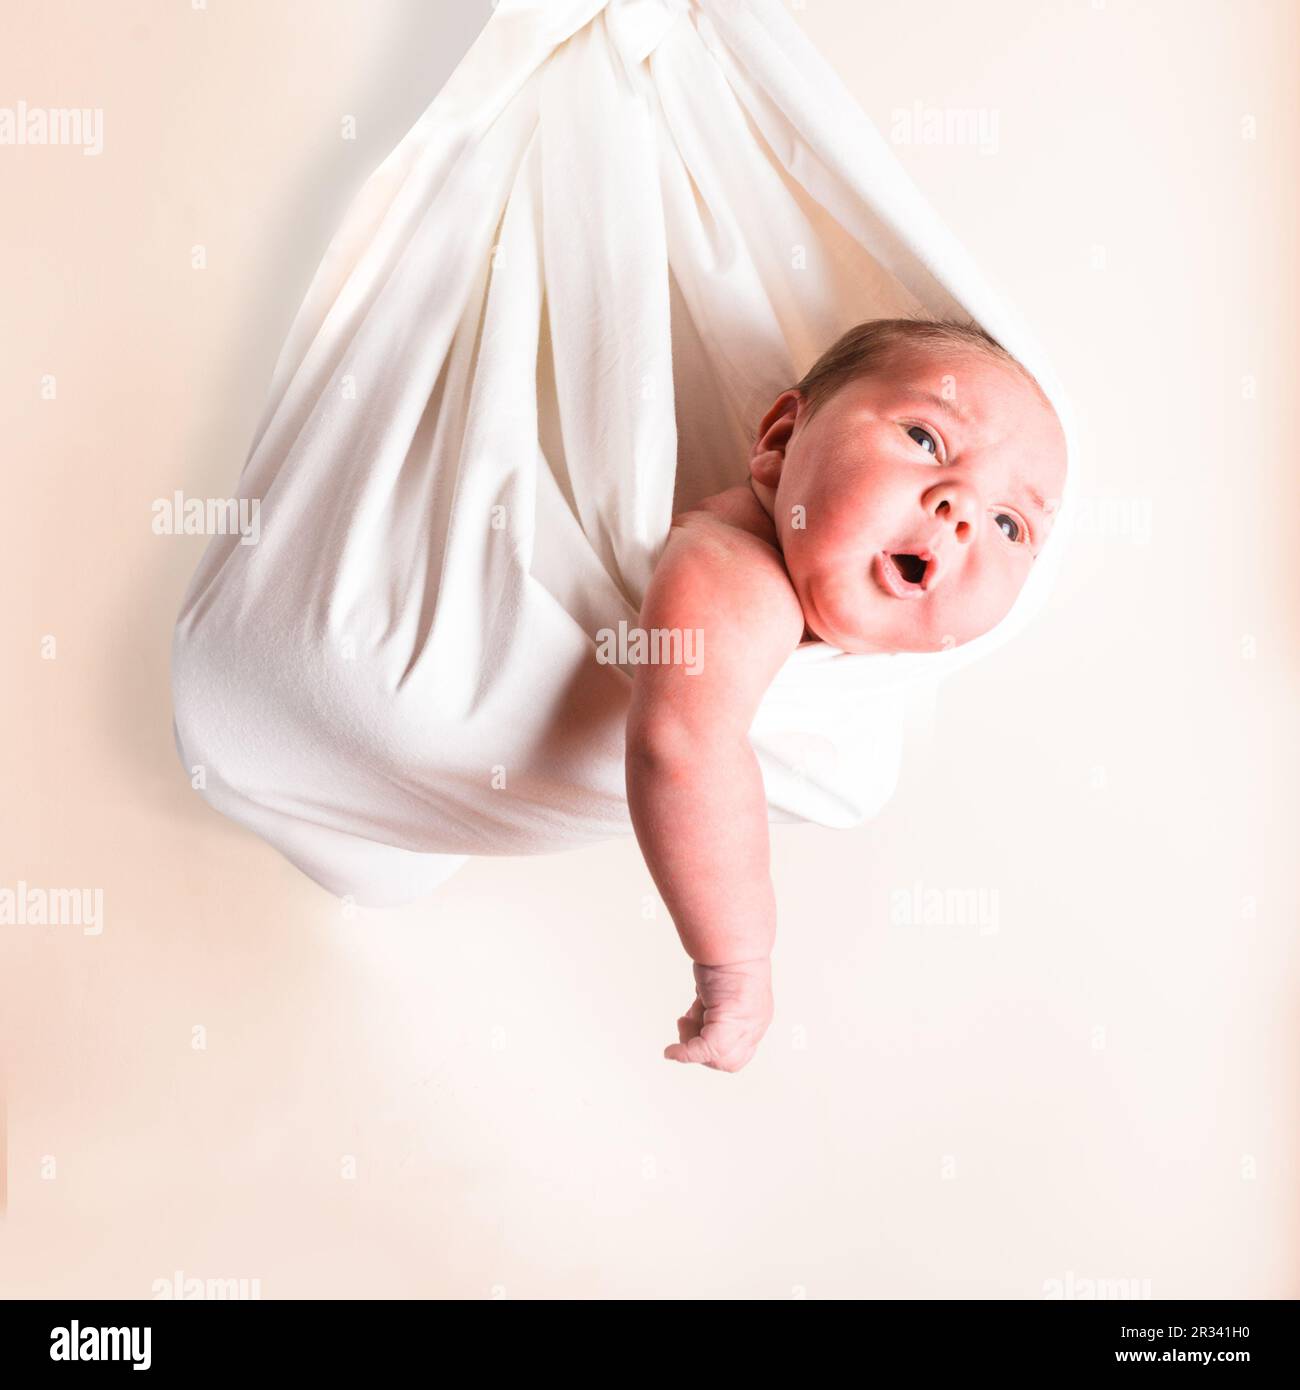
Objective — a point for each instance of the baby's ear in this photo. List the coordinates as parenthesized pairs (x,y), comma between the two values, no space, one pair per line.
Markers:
(768,453)
(765,466)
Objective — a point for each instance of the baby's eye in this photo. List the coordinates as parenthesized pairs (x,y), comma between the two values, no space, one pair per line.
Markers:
(926,436)
(1009,526)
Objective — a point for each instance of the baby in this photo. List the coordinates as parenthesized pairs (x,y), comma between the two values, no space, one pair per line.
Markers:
(897,498)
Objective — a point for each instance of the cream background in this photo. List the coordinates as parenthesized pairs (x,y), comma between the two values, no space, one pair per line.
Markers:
(930,1114)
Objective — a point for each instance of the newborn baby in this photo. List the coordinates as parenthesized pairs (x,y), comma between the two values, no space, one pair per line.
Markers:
(896,501)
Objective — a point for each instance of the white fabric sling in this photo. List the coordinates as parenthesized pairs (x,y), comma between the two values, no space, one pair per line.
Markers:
(553,316)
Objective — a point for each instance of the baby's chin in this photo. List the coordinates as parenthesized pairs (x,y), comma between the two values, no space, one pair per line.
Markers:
(886,635)
(884,644)
(874,628)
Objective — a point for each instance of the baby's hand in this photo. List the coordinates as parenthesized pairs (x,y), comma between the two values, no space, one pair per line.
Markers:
(732,1008)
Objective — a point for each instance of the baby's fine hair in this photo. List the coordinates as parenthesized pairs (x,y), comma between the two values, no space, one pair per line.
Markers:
(868,346)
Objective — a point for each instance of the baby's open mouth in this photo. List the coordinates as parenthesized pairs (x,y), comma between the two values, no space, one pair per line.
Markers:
(912,566)
(902,574)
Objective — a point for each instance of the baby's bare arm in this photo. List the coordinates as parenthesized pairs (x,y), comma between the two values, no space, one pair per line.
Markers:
(694,787)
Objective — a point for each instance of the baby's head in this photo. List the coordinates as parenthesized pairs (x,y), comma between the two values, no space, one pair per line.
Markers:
(912,476)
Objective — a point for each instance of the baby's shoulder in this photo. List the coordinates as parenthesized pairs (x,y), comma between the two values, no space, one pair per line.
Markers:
(735,507)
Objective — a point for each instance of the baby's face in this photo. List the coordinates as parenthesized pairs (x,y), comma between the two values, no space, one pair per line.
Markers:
(910,524)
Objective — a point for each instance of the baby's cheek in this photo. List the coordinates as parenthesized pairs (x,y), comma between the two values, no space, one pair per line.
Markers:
(839,597)
(975,609)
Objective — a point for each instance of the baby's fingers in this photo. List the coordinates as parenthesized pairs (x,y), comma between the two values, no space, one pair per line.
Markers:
(712,1048)
(690,1023)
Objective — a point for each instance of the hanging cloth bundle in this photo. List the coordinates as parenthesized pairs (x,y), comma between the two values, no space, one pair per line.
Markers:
(553,316)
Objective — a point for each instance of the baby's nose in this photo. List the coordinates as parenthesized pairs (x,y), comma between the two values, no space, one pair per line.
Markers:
(953,504)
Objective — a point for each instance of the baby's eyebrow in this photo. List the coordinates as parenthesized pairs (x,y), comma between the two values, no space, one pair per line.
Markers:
(940,403)
(1044,513)
(1037,499)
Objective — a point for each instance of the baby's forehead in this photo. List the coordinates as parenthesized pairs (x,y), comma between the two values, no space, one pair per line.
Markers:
(977,384)
(953,369)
